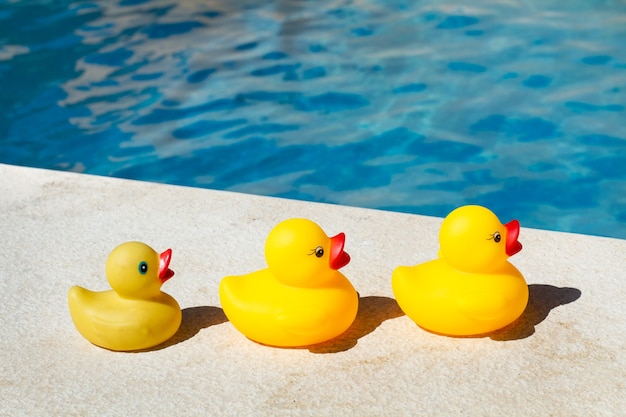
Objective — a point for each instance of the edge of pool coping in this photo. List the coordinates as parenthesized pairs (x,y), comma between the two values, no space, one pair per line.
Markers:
(76,214)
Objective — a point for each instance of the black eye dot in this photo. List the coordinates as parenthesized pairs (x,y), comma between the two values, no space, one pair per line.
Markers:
(497,237)
(319,252)
(143,267)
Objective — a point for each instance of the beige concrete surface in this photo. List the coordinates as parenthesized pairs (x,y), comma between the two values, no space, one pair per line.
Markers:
(566,356)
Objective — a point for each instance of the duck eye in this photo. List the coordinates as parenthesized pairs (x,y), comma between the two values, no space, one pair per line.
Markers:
(319,251)
(497,237)
(143,267)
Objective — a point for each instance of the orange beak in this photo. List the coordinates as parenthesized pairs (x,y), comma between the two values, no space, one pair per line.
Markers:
(338,258)
(164,262)
(512,233)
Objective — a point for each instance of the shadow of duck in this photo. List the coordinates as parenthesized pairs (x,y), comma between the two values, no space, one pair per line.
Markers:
(194,320)
(541,300)
(372,312)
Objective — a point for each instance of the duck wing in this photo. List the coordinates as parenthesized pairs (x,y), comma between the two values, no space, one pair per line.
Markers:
(101,320)
(482,306)
(293,321)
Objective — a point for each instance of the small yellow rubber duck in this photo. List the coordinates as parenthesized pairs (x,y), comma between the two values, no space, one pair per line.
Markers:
(135,314)
(471,289)
(301,298)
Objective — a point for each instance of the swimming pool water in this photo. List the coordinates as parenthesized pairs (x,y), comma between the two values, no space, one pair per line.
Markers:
(413,106)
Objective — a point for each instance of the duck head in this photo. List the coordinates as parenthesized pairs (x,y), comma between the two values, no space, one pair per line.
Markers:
(472,239)
(300,254)
(136,271)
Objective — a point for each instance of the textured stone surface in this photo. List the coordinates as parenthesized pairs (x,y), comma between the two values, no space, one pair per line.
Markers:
(564,357)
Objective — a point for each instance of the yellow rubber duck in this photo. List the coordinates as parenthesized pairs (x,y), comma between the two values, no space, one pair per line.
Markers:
(471,289)
(301,298)
(135,314)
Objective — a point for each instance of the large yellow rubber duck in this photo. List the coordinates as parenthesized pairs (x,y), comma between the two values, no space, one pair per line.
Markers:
(471,289)
(135,314)
(301,298)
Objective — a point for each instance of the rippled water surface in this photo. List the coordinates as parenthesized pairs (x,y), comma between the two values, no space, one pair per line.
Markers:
(414,106)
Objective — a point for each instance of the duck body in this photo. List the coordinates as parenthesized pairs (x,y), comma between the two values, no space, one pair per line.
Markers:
(444,300)
(301,298)
(471,289)
(112,322)
(135,314)
(275,314)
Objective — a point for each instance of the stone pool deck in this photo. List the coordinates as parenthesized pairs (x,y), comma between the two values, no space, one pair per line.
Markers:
(566,356)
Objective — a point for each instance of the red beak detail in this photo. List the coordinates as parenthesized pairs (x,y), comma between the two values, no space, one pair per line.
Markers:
(164,262)
(512,233)
(338,258)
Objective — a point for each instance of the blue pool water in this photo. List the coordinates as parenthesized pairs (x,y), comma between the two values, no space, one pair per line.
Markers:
(413,106)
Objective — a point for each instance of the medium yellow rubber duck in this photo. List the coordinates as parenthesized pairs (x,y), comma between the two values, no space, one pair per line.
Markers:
(301,298)
(471,289)
(135,314)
